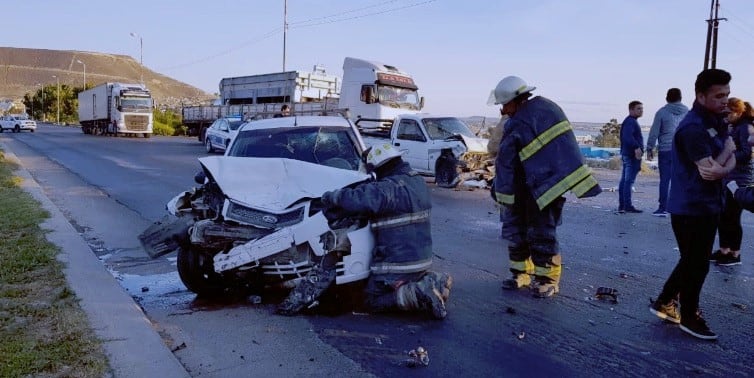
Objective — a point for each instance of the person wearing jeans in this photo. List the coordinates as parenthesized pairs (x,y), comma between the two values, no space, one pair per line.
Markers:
(631,151)
(661,134)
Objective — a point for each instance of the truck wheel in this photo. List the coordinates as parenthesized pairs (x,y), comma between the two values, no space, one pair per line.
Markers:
(147,135)
(208,145)
(1,129)
(446,175)
(202,134)
(197,272)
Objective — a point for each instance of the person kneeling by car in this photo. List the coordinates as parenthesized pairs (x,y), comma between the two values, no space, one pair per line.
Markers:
(398,204)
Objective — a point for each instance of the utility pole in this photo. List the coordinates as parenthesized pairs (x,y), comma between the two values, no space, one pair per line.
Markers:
(285,28)
(713,23)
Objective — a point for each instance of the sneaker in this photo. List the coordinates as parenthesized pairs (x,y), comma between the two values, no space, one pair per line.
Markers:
(660,213)
(697,327)
(728,260)
(667,311)
(430,299)
(717,255)
(517,281)
(633,210)
(544,290)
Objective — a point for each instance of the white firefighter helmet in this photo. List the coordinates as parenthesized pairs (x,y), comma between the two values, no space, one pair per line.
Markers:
(380,154)
(508,89)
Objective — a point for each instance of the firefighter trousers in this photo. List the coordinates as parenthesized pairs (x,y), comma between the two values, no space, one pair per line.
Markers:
(532,240)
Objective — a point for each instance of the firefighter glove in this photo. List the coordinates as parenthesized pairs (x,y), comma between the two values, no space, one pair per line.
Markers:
(328,199)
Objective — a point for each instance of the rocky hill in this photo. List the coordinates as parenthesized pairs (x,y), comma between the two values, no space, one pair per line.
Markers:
(21,69)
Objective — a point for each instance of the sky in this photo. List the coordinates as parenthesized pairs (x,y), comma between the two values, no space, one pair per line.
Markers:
(592,57)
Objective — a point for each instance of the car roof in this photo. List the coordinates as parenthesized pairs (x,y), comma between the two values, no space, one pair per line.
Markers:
(296,121)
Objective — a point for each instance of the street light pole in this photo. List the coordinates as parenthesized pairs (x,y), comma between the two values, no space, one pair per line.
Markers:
(141,54)
(84,87)
(58,96)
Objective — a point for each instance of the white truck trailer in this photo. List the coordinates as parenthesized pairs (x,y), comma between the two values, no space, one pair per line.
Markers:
(368,89)
(116,109)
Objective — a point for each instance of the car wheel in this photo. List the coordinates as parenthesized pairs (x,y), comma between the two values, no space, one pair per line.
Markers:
(196,270)
(208,144)
(446,174)
(17,129)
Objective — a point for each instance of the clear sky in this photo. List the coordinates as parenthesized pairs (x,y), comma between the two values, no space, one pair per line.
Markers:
(591,56)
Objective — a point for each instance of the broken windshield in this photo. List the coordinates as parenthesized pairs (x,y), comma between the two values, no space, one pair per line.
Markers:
(441,128)
(329,146)
(398,97)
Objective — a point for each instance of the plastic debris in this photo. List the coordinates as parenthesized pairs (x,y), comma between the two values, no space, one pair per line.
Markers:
(739,306)
(607,293)
(521,335)
(510,310)
(417,357)
(255,299)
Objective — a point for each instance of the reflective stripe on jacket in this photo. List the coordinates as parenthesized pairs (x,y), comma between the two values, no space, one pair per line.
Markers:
(539,153)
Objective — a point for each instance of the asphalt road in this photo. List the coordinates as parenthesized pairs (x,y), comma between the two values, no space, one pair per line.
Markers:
(111,189)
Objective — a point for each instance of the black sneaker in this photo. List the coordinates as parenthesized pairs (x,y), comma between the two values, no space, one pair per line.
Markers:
(697,327)
(660,213)
(633,210)
(666,311)
(728,260)
(717,255)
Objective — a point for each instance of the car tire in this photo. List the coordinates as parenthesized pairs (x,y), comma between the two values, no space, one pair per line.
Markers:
(197,273)
(446,174)
(208,146)
(17,129)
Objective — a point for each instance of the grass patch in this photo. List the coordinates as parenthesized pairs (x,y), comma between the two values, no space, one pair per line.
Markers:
(43,331)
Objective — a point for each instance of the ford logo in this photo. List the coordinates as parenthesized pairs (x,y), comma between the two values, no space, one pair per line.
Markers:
(270,219)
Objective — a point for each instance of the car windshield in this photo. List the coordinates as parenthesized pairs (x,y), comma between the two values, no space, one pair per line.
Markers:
(331,146)
(441,128)
(234,125)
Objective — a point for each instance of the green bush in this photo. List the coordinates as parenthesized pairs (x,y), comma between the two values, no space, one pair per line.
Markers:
(160,128)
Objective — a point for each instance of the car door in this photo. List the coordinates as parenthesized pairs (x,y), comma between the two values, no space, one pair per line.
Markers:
(410,138)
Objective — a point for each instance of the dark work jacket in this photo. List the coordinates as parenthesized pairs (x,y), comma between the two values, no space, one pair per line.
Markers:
(539,153)
(742,173)
(630,137)
(398,205)
(700,134)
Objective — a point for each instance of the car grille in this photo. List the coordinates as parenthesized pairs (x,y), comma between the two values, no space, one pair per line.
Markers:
(136,122)
(264,219)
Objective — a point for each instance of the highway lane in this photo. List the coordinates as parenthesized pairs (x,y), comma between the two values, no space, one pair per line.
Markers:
(113,188)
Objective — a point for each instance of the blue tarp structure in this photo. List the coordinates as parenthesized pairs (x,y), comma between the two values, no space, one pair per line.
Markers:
(599,152)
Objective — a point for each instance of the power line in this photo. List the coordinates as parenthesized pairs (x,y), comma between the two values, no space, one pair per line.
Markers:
(301,24)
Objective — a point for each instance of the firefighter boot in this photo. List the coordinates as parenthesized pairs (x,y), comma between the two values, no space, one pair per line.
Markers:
(422,296)
(542,289)
(443,282)
(517,281)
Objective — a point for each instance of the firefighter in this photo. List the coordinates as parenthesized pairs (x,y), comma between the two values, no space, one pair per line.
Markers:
(537,162)
(398,204)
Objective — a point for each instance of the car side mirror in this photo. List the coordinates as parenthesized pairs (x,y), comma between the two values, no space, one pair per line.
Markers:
(200,177)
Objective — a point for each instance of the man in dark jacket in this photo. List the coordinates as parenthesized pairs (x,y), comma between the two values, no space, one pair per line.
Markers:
(537,162)
(702,155)
(663,127)
(631,151)
(398,204)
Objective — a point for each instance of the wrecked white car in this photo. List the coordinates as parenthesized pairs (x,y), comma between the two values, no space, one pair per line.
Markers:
(256,220)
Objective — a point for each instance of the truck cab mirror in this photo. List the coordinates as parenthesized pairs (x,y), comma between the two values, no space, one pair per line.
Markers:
(421,103)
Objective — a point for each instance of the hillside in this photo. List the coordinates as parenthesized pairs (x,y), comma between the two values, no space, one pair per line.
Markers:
(21,69)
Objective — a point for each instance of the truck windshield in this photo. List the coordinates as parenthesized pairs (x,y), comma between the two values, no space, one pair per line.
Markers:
(136,104)
(441,128)
(398,97)
(331,146)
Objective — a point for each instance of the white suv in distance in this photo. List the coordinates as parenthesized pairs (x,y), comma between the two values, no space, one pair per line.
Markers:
(17,123)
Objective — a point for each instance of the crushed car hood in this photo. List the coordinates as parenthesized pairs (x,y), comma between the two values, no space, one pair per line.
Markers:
(475,144)
(275,183)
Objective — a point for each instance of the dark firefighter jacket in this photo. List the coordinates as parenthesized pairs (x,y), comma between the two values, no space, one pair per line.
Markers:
(539,153)
(398,206)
